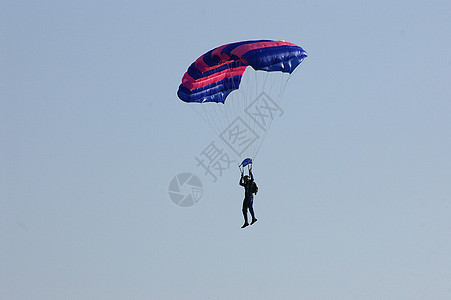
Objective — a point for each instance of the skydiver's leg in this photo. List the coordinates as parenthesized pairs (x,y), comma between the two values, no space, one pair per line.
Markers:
(251,210)
(245,206)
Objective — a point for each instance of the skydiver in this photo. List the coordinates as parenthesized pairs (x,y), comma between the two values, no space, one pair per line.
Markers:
(247,182)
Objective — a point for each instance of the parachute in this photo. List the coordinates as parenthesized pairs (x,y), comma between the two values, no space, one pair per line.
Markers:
(240,103)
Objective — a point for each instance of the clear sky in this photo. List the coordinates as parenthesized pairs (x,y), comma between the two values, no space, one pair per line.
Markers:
(354,177)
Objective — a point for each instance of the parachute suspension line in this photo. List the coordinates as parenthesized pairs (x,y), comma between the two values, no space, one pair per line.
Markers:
(251,96)
(264,81)
(261,86)
(283,84)
(267,87)
(225,109)
(203,117)
(248,86)
(282,90)
(260,79)
(221,113)
(220,116)
(212,113)
(217,116)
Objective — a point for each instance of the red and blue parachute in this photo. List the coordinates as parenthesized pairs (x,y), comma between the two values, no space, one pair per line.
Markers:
(240,103)
(214,75)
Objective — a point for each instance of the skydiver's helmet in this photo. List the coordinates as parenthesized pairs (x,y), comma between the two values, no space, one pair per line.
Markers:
(246,178)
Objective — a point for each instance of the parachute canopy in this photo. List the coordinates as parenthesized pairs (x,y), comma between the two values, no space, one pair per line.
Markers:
(214,75)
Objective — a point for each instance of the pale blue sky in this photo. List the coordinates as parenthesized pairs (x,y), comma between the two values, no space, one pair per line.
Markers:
(355,177)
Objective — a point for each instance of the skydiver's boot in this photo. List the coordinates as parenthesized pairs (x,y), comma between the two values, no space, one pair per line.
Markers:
(246,223)
(253,220)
